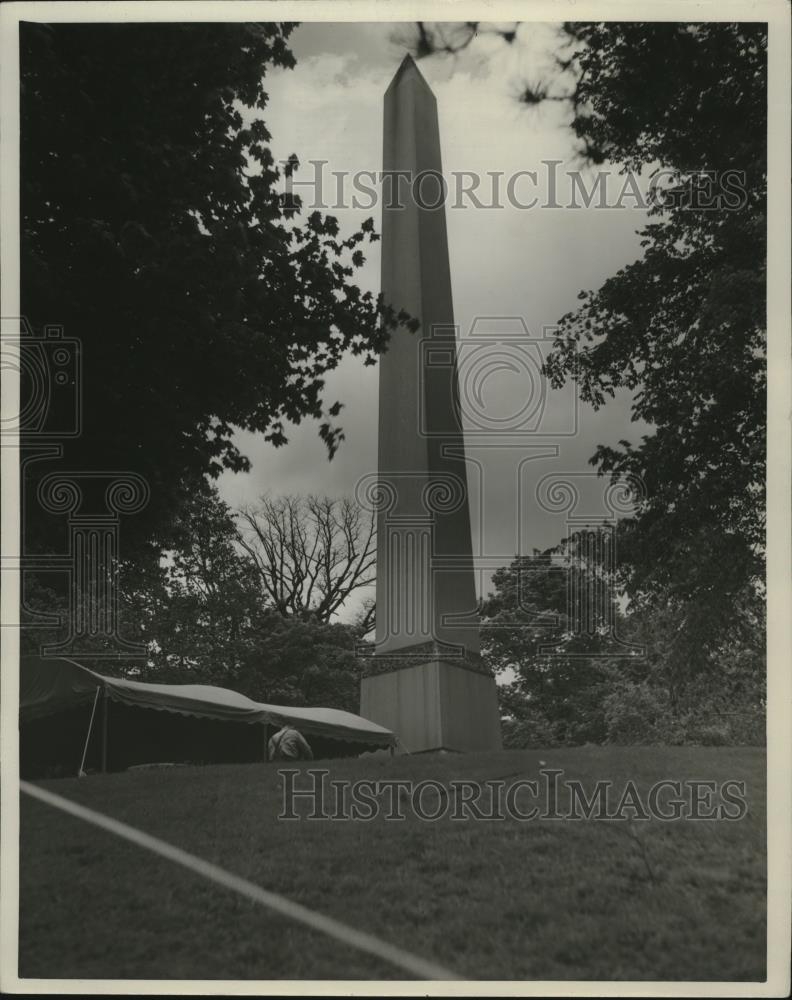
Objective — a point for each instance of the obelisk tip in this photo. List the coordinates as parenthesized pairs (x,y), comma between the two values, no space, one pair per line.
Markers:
(408,67)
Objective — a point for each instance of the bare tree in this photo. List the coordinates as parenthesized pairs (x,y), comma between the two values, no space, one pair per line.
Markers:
(366,618)
(311,553)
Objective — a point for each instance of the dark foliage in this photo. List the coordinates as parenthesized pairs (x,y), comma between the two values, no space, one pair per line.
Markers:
(561,670)
(153,231)
(684,327)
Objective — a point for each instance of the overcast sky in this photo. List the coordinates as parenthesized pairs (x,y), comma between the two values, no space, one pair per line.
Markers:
(506,262)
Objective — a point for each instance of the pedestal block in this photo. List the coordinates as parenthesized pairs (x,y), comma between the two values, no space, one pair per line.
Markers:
(437,705)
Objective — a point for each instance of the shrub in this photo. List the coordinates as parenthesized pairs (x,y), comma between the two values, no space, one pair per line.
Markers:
(531,731)
(636,713)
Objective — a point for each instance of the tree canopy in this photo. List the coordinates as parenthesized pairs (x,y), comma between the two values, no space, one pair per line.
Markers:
(561,663)
(659,682)
(682,328)
(154,232)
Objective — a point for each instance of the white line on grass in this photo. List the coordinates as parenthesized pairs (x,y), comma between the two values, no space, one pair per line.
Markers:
(326,925)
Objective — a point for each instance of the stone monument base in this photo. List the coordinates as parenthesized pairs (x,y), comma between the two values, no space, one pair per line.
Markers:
(437,705)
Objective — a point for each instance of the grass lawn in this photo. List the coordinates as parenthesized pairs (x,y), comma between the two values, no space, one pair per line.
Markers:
(545,899)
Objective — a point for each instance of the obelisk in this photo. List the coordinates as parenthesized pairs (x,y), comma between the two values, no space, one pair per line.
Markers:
(426,679)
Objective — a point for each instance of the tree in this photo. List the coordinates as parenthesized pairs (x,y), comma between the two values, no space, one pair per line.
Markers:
(680,689)
(207,619)
(311,553)
(154,232)
(562,670)
(301,660)
(707,656)
(698,598)
(684,327)
(200,611)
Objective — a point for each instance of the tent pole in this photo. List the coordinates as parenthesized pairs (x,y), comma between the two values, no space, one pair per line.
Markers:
(104,730)
(81,772)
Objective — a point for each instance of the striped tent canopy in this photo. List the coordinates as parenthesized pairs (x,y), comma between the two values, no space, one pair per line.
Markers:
(51,685)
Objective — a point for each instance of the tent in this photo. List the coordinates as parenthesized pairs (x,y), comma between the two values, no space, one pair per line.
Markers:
(122,722)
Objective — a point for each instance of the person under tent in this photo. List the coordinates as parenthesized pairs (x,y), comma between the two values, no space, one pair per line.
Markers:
(289,744)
